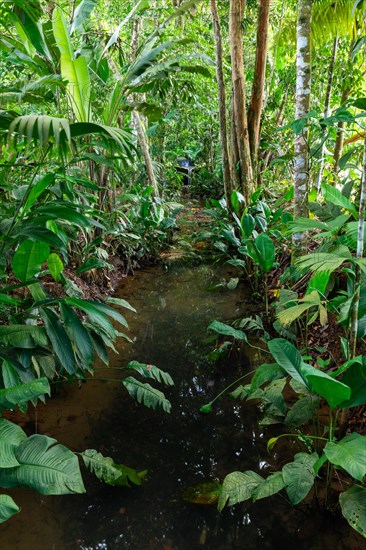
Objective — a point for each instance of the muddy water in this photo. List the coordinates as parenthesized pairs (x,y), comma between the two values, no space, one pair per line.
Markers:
(174,309)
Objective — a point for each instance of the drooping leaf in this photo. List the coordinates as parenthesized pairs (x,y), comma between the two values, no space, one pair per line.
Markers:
(227,330)
(302,411)
(333,195)
(11,435)
(82,13)
(107,471)
(287,357)
(146,394)
(332,390)
(299,476)
(23,336)
(120,302)
(355,378)
(21,394)
(8,508)
(151,371)
(353,504)
(28,259)
(238,487)
(46,466)
(349,453)
(79,335)
(60,340)
(266,373)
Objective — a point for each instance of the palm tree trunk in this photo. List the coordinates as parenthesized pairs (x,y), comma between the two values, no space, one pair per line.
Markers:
(239,102)
(338,148)
(226,168)
(256,104)
(303,83)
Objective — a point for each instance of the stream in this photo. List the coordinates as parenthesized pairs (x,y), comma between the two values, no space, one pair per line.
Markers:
(174,306)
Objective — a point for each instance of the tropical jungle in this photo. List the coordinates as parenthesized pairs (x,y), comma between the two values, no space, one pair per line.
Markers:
(182,274)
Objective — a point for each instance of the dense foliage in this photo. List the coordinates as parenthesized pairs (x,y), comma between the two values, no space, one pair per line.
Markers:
(100,103)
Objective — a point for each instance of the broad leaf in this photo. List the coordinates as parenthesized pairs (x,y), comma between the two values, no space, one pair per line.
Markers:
(270,486)
(353,504)
(23,336)
(287,357)
(204,492)
(45,466)
(355,378)
(238,487)
(302,411)
(262,251)
(55,266)
(332,390)
(8,508)
(333,195)
(146,394)
(349,454)
(299,476)
(28,259)
(11,436)
(227,330)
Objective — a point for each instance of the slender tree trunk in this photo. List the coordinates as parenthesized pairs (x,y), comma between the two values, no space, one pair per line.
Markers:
(226,168)
(327,110)
(234,151)
(303,83)
(137,122)
(238,78)
(256,104)
(338,148)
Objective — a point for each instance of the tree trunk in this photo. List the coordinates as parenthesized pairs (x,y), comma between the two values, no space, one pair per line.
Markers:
(338,148)
(256,104)
(136,120)
(327,110)
(303,83)
(239,102)
(226,168)
(234,151)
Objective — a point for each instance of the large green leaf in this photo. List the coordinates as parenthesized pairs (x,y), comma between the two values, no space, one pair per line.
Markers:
(82,13)
(55,266)
(227,330)
(146,394)
(349,453)
(21,394)
(355,378)
(238,487)
(47,467)
(60,340)
(262,251)
(334,195)
(151,371)
(28,259)
(299,476)
(270,486)
(332,390)
(302,411)
(107,471)
(23,336)
(287,357)
(8,508)
(78,333)
(75,71)
(95,315)
(11,436)
(41,128)
(353,504)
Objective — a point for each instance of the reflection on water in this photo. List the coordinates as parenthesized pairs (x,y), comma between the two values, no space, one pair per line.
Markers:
(183,448)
